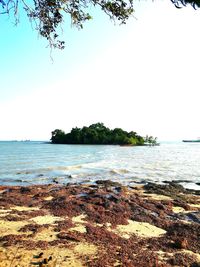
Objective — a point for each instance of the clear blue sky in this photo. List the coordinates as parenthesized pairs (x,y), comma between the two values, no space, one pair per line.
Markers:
(142,76)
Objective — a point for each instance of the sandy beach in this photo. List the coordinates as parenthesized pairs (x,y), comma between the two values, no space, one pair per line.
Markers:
(103,224)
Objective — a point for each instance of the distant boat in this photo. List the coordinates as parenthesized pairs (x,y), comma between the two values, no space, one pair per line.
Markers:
(192,140)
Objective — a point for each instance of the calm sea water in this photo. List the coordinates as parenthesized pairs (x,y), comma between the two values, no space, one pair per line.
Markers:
(25,163)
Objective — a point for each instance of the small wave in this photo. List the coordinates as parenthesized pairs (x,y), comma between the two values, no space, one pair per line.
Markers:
(48,169)
(62,168)
(14,181)
(119,171)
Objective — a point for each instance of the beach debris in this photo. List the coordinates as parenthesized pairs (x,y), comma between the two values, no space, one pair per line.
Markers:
(98,225)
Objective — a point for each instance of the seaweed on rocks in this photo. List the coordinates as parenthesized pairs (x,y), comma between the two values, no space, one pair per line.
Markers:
(170,189)
(173,190)
(189,232)
(34,228)
(62,206)
(72,236)
(182,259)
(63,225)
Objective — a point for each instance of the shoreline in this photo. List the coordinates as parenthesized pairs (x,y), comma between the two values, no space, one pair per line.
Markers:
(104,224)
(186,185)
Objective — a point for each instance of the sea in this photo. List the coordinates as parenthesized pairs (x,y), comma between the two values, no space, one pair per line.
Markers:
(27,163)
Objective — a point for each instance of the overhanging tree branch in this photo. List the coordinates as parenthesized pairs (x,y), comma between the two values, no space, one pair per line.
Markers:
(48,15)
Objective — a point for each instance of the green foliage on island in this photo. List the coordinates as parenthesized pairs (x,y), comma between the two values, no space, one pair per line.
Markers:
(98,134)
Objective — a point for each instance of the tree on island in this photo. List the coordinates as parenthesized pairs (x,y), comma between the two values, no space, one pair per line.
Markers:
(100,135)
(150,140)
(48,15)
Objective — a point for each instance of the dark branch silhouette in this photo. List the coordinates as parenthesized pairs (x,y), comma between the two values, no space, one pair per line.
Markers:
(180,3)
(48,15)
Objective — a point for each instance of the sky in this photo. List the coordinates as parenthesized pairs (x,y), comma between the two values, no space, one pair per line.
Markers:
(142,76)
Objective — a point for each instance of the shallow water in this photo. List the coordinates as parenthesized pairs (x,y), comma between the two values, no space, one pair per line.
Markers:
(37,162)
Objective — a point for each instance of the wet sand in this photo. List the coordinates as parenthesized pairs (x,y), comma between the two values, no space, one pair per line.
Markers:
(102,225)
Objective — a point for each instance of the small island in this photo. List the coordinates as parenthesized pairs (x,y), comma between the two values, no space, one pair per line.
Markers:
(99,134)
